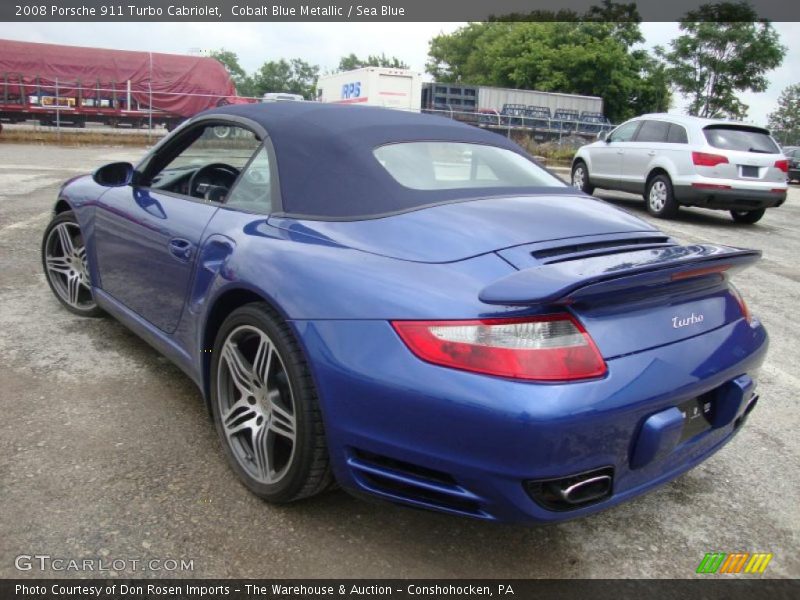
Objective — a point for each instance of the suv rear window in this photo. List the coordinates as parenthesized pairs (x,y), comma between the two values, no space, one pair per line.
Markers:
(743,139)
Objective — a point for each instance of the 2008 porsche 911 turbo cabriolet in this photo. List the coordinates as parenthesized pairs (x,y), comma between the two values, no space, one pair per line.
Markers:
(413,308)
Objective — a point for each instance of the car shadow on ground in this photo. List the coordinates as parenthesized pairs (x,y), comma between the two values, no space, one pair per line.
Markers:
(694,216)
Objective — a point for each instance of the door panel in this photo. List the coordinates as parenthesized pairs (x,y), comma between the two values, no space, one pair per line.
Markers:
(640,152)
(607,157)
(146,244)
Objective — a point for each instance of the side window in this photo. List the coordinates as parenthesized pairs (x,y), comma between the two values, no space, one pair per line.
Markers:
(653,131)
(253,192)
(677,135)
(624,133)
(205,163)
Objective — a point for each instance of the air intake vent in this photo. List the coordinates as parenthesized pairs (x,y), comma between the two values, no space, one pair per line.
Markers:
(405,482)
(575,251)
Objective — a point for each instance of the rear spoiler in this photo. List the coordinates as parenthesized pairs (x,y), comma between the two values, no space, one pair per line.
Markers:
(572,280)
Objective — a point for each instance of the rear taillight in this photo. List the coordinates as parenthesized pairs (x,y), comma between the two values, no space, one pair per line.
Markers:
(783,165)
(542,348)
(704,159)
(742,304)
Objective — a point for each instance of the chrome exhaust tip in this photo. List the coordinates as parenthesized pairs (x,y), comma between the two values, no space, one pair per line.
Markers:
(574,491)
(587,490)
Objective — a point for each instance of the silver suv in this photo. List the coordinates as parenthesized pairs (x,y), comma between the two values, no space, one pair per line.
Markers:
(678,160)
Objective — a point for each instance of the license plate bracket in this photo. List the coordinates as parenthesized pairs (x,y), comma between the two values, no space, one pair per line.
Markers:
(748,171)
(697,416)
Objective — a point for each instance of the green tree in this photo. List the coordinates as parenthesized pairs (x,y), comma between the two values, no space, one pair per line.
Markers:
(230,60)
(724,50)
(785,120)
(295,76)
(351,61)
(589,57)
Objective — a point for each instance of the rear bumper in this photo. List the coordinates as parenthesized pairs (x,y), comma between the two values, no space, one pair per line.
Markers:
(469,444)
(729,199)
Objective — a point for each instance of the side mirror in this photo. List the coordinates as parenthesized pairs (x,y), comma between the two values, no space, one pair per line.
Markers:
(114,174)
(602,136)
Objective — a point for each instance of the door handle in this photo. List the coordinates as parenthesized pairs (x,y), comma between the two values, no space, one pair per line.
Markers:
(651,153)
(180,248)
(620,151)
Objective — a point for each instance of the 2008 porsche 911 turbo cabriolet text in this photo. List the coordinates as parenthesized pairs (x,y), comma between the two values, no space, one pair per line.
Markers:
(413,308)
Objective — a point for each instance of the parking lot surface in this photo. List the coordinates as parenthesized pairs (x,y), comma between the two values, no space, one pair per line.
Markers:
(106,449)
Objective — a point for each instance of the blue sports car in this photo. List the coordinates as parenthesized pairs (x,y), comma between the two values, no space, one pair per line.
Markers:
(414,309)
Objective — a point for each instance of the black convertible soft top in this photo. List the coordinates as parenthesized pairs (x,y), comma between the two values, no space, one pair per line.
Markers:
(325,161)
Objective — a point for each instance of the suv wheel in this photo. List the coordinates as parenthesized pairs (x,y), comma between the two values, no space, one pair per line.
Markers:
(660,198)
(748,216)
(580,178)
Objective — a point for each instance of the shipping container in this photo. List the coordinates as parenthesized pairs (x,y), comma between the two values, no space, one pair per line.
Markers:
(492,98)
(372,86)
(449,96)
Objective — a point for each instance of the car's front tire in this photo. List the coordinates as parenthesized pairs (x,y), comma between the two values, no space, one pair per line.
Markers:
(748,216)
(66,266)
(265,407)
(660,197)
(580,178)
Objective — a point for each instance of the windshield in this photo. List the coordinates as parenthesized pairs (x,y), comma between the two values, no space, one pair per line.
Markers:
(743,139)
(457,165)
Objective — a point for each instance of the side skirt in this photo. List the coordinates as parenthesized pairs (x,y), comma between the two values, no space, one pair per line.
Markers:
(159,340)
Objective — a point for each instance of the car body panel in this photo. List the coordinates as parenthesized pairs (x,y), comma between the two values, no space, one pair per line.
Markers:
(500,433)
(146,244)
(456,231)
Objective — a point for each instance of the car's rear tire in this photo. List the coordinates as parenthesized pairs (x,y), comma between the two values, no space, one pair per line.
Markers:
(66,266)
(660,197)
(265,407)
(580,178)
(748,216)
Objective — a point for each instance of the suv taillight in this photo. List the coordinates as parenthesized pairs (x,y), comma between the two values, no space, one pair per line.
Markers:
(783,165)
(704,159)
(543,348)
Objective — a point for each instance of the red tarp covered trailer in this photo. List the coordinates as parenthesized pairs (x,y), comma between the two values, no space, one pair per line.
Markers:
(95,81)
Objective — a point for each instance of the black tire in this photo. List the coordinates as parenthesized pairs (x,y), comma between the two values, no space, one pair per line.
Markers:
(659,197)
(748,216)
(57,280)
(308,472)
(583,184)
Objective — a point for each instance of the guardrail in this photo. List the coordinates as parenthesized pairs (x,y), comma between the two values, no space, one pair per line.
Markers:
(550,126)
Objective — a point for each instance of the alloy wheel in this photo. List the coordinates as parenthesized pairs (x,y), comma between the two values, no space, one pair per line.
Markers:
(256,404)
(658,196)
(66,266)
(578,177)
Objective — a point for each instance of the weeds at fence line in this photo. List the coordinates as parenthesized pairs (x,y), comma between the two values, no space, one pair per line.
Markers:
(78,137)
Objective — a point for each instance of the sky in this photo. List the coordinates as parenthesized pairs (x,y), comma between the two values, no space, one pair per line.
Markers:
(325,43)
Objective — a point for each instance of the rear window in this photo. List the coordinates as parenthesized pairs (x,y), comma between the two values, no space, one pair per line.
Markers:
(743,139)
(457,165)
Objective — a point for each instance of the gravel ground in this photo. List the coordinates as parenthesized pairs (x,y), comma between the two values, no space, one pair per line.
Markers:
(106,450)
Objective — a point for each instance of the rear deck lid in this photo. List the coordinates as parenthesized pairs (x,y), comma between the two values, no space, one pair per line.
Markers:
(459,230)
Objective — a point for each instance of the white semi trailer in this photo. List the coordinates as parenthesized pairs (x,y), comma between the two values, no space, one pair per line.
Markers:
(373,86)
